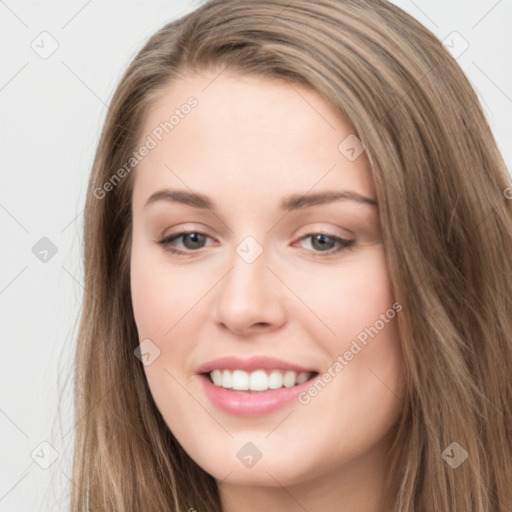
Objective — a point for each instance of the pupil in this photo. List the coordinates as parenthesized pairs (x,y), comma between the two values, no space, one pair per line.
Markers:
(321,239)
(195,237)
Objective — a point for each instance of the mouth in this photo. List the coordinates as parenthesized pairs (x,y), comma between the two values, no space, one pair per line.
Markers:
(256,393)
(258,381)
(253,386)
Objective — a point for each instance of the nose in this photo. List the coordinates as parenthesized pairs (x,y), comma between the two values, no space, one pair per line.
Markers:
(250,297)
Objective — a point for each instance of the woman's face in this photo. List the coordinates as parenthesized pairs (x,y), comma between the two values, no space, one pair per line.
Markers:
(276,280)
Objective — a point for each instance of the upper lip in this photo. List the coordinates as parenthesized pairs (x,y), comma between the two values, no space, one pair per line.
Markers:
(251,364)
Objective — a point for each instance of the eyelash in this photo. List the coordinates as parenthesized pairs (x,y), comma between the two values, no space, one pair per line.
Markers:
(344,244)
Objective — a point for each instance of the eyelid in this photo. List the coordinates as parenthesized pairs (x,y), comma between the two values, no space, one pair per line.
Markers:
(180,234)
(343,243)
(311,229)
(319,227)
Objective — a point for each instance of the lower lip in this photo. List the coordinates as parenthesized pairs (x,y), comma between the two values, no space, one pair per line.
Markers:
(251,403)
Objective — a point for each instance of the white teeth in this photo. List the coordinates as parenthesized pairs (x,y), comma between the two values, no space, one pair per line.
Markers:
(240,380)
(275,379)
(216,377)
(227,379)
(303,377)
(259,380)
(289,379)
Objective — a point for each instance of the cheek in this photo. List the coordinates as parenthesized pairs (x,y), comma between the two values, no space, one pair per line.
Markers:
(348,298)
(161,295)
(365,374)
(367,333)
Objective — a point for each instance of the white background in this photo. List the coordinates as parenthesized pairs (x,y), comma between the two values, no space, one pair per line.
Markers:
(51,115)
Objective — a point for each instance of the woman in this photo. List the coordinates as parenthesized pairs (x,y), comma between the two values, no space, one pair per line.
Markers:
(228,359)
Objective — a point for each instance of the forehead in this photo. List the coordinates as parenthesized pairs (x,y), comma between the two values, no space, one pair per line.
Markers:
(246,138)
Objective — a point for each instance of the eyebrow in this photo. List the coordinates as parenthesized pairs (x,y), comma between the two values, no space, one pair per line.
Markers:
(289,203)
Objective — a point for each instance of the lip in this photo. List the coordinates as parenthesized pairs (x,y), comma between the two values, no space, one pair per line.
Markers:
(252,364)
(251,403)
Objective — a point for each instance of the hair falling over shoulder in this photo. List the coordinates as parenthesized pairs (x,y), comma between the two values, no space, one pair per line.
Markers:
(447,229)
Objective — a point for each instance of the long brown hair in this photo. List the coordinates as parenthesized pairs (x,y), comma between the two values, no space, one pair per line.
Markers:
(447,232)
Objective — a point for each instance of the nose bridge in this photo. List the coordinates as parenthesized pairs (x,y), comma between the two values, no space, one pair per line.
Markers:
(247,297)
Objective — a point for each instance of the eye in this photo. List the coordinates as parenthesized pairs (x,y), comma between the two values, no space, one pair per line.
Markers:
(193,240)
(324,242)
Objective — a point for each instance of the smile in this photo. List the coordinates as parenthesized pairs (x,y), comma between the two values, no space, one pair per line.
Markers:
(253,386)
(259,380)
